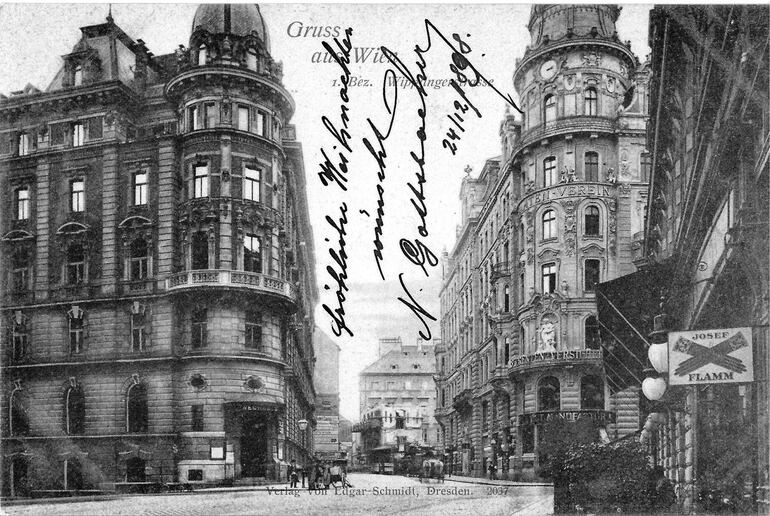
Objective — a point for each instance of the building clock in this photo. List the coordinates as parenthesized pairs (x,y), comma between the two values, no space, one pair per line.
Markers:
(548,69)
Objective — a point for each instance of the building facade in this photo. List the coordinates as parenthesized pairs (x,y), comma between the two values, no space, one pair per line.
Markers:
(542,225)
(326,379)
(397,400)
(158,284)
(708,227)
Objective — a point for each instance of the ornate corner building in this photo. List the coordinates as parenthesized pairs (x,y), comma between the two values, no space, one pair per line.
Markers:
(560,211)
(157,257)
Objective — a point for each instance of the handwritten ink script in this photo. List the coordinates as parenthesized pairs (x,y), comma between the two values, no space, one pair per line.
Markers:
(333,171)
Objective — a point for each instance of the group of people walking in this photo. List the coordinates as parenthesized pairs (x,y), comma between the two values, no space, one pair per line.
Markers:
(319,475)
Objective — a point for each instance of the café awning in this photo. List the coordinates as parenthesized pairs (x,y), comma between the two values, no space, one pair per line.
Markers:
(627,307)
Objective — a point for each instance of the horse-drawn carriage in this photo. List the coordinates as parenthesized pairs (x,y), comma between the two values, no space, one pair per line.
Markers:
(432,468)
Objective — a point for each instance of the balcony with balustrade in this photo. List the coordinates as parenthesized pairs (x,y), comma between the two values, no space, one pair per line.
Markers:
(228,279)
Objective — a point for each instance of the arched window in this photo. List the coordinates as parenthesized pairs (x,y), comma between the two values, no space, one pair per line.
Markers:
(591,106)
(591,166)
(591,278)
(549,108)
(76,264)
(78,76)
(591,221)
(592,337)
(202,55)
(200,250)
(74,411)
(135,470)
(139,259)
(549,224)
(252,253)
(18,422)
(591,393)
(549,172)
(548,394)
(136,408)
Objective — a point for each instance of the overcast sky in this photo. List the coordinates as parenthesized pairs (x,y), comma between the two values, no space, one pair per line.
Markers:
(33,38)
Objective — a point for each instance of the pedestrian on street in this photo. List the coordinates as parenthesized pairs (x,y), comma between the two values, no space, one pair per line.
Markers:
(292,474)
(303,472)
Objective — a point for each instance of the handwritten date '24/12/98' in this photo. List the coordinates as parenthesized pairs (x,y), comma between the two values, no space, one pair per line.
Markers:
(335,171)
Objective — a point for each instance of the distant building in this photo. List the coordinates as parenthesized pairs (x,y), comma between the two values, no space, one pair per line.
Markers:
(398,399)
(326,379)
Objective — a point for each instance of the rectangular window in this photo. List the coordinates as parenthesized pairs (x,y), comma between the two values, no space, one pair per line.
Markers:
(199,320)
(193,123)
(77,195)
(243,118)
(251,183)
(20,341)
(78,134)
(197,418)
(195,475)
(252,253)
(209,115)
(261,128)
(76,335)
(646,166)
(201,180)
(25,144)
(254,330)
(140,188)
(58,134)
(78,76)
(591,171)
(137,332)
(20,277)
(549,172)
(95,128)
(527,438)
(591,276)
(22,203)
(549,278)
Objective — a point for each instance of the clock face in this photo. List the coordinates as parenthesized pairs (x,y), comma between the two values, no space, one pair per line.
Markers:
(548,69)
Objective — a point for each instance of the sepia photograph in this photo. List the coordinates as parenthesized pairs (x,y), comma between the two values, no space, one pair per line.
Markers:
(372,258)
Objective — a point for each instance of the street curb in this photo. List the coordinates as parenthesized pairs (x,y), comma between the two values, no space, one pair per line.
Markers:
(501,483)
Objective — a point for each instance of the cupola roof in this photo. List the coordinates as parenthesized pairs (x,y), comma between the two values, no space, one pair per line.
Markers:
(235,19)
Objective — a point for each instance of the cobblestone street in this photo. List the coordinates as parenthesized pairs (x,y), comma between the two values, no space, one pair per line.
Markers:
(371,494)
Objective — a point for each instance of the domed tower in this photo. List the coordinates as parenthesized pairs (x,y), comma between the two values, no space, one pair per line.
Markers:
(243,292)
(579,169)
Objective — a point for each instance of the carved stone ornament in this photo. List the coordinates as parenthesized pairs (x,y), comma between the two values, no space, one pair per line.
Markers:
(570,226)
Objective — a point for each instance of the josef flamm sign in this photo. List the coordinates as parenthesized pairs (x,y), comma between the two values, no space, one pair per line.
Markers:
(710,356)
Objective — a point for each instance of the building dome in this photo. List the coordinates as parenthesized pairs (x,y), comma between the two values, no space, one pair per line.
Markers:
(235,19)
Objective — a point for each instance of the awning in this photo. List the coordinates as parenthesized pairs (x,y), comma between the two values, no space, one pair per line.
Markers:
(627,307)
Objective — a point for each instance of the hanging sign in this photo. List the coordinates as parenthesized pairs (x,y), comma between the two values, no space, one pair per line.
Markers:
(710,356)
